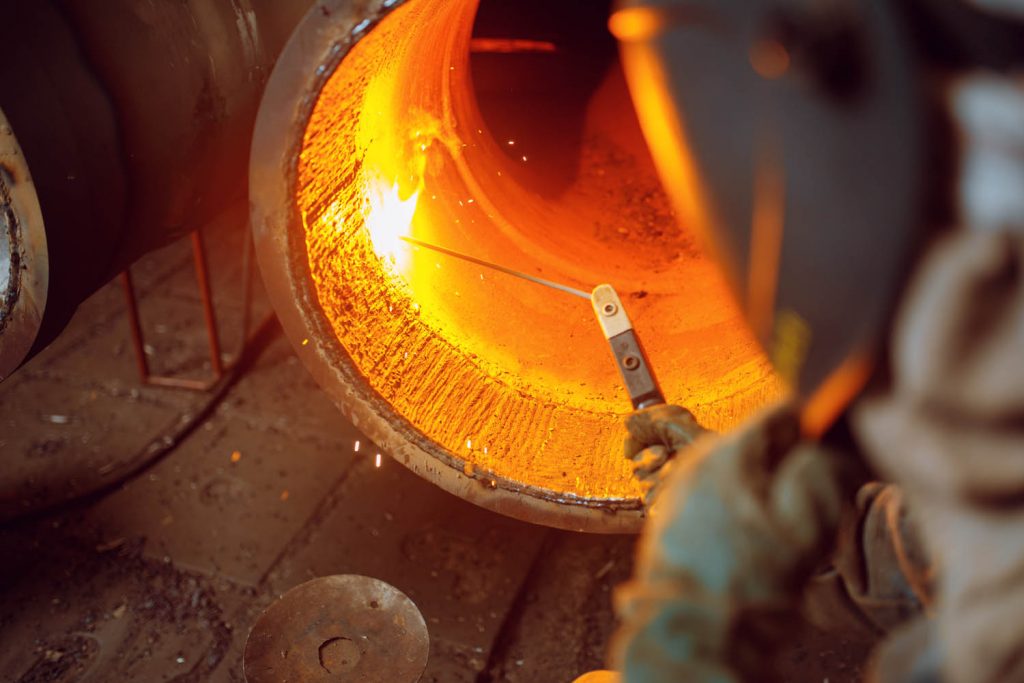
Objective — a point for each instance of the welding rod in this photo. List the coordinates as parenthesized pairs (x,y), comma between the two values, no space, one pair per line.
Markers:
(618,330)
(501,269)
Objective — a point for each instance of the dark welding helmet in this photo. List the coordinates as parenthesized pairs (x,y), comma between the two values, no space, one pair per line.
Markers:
(791,137)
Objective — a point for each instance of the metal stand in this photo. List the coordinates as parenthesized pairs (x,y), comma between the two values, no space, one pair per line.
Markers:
(209,316)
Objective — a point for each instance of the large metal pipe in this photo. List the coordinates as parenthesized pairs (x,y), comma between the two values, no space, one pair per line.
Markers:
(500,392)
(127,123)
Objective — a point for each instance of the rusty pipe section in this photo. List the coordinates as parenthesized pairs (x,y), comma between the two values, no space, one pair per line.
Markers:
(125,124)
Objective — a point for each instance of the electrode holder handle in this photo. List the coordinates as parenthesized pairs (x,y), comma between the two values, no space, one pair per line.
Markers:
(629,354)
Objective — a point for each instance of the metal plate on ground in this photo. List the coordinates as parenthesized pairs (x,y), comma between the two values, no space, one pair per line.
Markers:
(344,628)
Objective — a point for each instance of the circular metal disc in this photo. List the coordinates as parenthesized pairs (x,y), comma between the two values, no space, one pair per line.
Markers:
(343,628)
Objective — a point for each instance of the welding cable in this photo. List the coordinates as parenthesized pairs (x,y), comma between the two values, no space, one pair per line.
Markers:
(164,444)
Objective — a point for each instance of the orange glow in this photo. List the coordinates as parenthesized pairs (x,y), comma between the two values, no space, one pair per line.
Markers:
(766,228)
(827,403)
(510,45)
(636,23)
(666,136)
(508,379)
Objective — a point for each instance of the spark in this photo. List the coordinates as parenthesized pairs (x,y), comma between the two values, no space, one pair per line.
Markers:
(356,449)
(388,217)
(469,444)
(236,456)
(376,462)
(305,342)
(524,157)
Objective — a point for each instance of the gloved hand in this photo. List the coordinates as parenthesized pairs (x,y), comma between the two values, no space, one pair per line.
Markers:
(742,522)
(656,434)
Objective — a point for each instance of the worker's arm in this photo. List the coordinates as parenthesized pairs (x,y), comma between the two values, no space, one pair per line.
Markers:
(737,527)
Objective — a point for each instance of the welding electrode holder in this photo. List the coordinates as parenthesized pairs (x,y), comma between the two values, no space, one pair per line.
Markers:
(629,355)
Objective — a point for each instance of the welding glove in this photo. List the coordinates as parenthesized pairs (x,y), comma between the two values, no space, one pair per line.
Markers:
(950,430)
(741,523)
(655,436)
